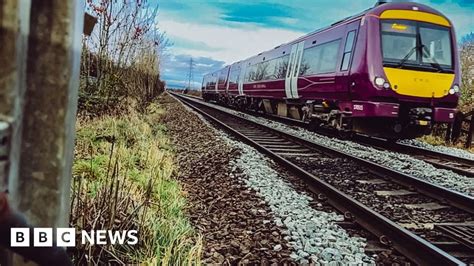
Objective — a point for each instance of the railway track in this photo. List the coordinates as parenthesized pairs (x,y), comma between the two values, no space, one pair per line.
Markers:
(459,165)
(455,239)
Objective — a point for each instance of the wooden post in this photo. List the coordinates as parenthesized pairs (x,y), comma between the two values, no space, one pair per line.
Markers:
(41,187)
(470,132)
(456,127)
(39,79)
(42,190)
(448,136)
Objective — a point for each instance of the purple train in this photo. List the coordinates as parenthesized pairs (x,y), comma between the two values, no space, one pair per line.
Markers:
(392,71)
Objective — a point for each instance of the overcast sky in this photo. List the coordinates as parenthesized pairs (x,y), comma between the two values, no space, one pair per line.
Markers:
(215,33)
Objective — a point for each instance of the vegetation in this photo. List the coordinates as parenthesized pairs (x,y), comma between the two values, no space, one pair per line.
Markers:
(439,140)
(467,64)
(120,60)
(124,164)
(123,181)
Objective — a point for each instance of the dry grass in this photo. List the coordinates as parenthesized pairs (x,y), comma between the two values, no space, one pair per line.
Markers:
(439,141)
(122,181)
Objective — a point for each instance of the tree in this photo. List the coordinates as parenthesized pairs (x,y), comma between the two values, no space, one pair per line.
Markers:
(123,53)
(467,66)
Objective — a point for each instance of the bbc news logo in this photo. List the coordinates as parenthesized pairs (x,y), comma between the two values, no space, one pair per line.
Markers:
(66,237)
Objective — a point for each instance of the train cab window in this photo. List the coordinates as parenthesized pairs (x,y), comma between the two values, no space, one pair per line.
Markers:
(320,59)
(419,45)
(437,45)
(346,58)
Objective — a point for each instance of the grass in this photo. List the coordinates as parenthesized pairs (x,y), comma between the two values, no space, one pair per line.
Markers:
(123,179)
(440,141)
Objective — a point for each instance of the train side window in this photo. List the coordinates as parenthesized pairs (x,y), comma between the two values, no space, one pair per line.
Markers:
(234,76)
(222,77)
(269,70)
(346,58)
(276,68)
(320,58)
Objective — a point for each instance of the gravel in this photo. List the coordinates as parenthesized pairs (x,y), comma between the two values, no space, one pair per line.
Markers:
(443,149)
(236,225)
(263,203)
(397,161)
(313,234)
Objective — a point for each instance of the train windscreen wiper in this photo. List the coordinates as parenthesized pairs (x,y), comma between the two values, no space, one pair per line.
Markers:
(435,63)
(410,53)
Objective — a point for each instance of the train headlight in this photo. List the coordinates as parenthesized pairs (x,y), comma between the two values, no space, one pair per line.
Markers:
(379,82)
(456,88)
(452,91)
(386,85)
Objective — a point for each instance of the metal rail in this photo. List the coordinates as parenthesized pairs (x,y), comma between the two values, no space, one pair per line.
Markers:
(462,166)
(414,247)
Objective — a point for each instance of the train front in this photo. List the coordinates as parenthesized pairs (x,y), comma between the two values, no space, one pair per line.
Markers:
(415,72)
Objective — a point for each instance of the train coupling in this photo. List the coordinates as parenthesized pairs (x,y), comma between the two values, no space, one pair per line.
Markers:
(420,116)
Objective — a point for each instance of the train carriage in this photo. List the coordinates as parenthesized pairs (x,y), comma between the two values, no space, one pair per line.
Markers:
(391,71)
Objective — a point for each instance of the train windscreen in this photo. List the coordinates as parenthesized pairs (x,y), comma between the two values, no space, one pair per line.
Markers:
(414,44)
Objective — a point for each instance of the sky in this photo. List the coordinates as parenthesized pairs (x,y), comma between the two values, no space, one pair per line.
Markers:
(219,32)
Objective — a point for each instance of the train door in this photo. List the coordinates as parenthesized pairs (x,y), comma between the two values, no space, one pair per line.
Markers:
(291,80)
(216,80)
(229,77)
(243,66)
(343,77)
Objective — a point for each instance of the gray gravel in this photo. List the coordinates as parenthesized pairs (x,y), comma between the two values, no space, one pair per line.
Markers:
(314,234)
(397,161)
(443,149)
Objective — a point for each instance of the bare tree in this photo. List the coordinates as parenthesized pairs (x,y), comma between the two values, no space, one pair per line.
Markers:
(123,54)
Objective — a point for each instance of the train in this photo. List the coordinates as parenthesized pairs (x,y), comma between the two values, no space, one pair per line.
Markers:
(391,71)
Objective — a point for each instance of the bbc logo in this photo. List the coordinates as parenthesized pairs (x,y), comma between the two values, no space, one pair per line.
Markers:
(42,237)
(66,237)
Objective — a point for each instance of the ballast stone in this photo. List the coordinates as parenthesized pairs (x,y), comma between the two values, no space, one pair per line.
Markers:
(292,210)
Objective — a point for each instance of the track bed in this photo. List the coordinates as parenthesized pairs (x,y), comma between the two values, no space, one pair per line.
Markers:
(389,204)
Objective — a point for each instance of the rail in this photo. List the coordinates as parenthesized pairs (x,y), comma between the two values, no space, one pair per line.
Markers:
(460,165)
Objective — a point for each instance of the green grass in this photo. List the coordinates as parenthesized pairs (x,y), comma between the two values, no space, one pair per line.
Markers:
(128,162)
